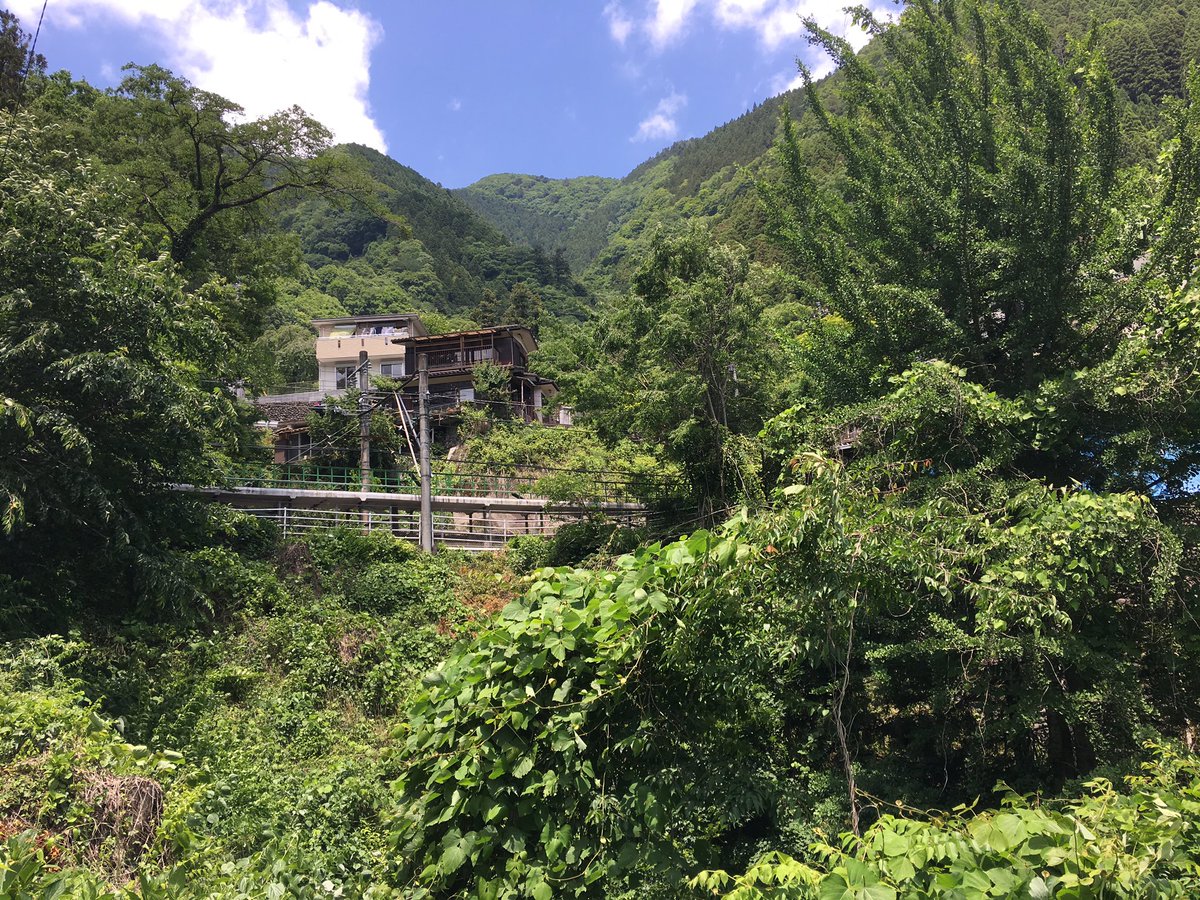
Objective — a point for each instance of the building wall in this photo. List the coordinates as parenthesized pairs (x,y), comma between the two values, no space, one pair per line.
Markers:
(327,368)
(378,346)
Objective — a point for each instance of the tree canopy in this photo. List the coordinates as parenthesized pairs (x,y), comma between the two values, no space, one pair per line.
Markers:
(102,407)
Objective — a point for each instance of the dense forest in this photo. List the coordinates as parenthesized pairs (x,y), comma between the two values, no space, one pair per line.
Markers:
(918,344)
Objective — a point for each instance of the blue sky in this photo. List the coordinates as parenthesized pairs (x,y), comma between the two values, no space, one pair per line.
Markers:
(462,88)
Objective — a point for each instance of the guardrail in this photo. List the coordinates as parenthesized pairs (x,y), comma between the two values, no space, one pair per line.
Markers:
(329,478)
(447,529)
(292,387)
(467,480)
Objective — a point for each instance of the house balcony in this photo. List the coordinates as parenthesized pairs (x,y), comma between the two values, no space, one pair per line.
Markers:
(507,346)
(460,359)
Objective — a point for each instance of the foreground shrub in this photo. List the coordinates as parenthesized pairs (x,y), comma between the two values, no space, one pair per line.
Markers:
(682,713)
(230,583)
(533,764)
(73,786)
(1140,842)
(240,531)
(576,541)
(527,552)
(386,587)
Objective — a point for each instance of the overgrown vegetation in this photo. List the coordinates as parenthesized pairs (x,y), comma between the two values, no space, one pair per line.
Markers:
(276,703)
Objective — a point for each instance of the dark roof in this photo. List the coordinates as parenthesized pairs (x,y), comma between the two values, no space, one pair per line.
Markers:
(525,335)
(356,320)
(539,380)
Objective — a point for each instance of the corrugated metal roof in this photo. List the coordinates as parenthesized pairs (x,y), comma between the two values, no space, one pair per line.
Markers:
(529,340)
(357,320)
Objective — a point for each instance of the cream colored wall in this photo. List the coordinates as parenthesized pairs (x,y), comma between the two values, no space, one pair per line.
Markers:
(327,377)
(327,370)
(341,349)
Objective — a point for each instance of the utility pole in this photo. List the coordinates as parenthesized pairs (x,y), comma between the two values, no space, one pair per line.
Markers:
(426,527)
(364,420)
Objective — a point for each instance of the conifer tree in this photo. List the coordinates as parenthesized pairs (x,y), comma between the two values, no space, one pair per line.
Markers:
(978,172)
(487,310)
(524,307)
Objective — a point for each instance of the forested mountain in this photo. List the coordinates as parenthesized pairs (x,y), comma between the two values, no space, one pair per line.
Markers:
(599,227)
(1148,45)
(538,211)
(404,243)
(597,222)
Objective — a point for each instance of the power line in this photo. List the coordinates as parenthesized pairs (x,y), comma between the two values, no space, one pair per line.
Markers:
(33,46)
(25,75)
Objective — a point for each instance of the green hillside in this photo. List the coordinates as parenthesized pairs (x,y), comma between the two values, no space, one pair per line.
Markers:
(1147,45)
(539,211)
(596,222)
(407,243)
(507,228)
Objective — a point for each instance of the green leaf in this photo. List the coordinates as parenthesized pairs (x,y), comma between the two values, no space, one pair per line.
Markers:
(452,858)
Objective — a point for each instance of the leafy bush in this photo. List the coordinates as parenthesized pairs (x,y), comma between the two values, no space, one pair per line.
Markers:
(566,460)
(252,536)
(282,705)
(527,552)
(925,635)
(390,587)
(230,583)
(344,550)
(1140,842)
(532,763)
(86,795)
(576,541)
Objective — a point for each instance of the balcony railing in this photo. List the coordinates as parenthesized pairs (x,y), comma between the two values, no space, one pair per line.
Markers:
(460,358)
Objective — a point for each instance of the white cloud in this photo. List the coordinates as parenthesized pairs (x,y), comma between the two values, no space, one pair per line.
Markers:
(786,81)
(777,22)
(782,21)
(259,53)
(454,105)
(668,19)
(619,24)
(661,124)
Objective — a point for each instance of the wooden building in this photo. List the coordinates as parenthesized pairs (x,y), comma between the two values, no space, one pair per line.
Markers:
(393,344)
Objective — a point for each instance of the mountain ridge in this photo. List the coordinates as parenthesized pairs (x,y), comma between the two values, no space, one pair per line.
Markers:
(579,237)
(1148,46)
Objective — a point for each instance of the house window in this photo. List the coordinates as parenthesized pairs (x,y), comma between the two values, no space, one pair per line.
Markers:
(297,448)
(391,369)
(344,377)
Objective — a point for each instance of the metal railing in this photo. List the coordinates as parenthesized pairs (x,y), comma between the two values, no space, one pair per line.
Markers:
(292,387)
(322,478)
(449,529)
(460,359)
(467,480)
